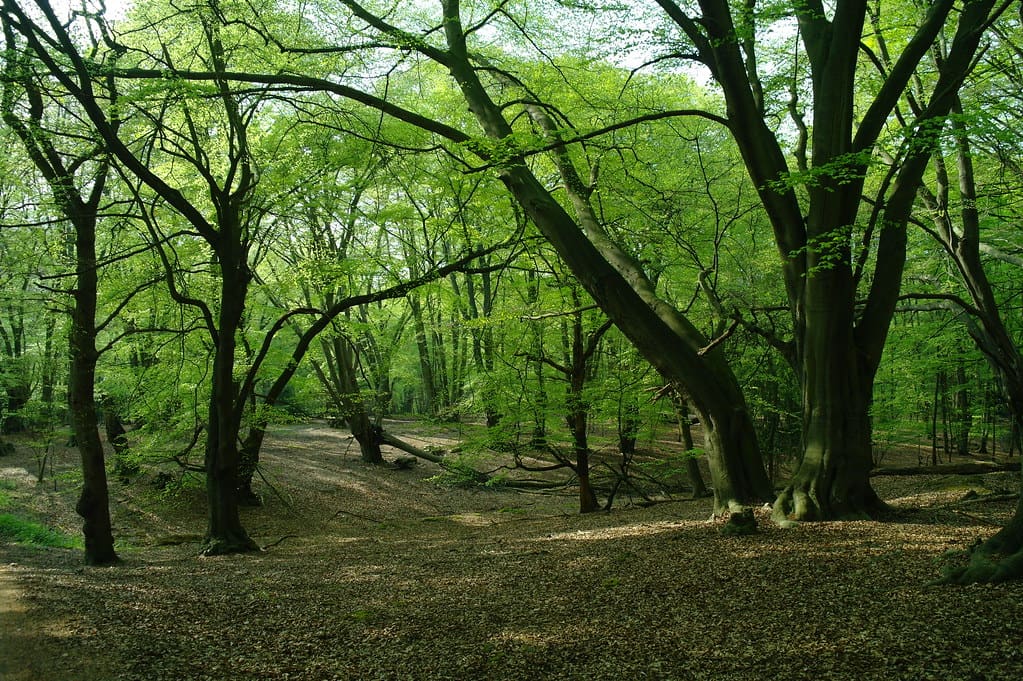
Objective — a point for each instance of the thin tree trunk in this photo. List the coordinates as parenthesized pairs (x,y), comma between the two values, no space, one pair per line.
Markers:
(692,463)
(225,533)
(94,502)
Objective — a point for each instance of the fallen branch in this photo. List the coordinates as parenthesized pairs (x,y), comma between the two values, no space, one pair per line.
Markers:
(272,544)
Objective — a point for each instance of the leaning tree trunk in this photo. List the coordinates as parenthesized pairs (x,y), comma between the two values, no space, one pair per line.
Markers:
(618,284)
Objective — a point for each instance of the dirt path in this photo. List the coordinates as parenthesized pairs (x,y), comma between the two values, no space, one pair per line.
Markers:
(15,657)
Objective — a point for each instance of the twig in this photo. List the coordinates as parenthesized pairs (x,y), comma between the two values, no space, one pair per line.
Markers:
(272,544)
(720,339)
(274,489)
(356,515)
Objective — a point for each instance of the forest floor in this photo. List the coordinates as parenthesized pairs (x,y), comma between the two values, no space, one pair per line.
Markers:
(377,573)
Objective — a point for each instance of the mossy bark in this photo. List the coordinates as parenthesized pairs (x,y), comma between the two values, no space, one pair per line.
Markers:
(999,559)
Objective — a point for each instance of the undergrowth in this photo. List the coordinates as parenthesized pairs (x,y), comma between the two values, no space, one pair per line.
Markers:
(22,531)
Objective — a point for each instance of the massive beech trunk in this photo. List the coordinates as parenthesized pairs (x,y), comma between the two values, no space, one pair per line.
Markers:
(837,344)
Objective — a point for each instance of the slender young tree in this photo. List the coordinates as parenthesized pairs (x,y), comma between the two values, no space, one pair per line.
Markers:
(77,180)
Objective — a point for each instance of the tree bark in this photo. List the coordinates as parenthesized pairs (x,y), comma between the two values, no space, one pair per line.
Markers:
(93,503)
(224,532)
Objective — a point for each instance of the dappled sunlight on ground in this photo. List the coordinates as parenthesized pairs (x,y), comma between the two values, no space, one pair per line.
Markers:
(373,573)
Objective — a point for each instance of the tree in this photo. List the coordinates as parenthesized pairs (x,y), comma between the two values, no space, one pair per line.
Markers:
(227,226)
(615,280)
(817,210)
(959,213)
(580,342)
(77,180)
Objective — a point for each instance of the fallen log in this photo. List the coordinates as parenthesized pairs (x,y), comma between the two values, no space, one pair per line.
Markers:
(966,468)
(388,439)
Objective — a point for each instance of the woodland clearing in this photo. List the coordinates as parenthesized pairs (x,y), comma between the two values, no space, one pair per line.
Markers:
(377,573)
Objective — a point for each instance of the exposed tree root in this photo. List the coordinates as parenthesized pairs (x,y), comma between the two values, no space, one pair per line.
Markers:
(795,503)
(233,543)
(999,559)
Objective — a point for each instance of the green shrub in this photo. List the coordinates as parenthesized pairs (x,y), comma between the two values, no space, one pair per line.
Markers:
(21,531)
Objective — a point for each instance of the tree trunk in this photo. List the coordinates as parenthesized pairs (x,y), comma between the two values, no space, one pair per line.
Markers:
(429,384)
(18,395)
(692,464)
(93,503)
(999,559)
(343,387)
(628,425)
(587,497)
(832,480)
(366,433)
(248,463)
(225,533)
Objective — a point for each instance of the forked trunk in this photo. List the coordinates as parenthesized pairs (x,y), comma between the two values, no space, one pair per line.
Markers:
(93,503)
(366,433)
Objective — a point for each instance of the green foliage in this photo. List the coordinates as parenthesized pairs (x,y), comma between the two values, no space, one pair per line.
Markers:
(18,530)
(669,468)
(460,472)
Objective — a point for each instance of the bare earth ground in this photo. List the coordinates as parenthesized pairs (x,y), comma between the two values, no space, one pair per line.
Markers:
(386,575)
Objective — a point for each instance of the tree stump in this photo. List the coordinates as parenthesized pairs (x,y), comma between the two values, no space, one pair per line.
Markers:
(740,524)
